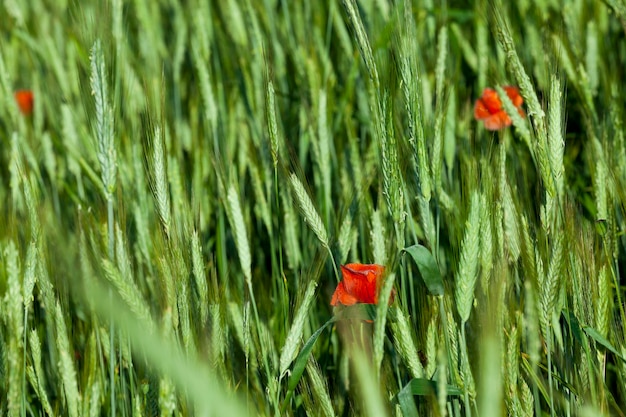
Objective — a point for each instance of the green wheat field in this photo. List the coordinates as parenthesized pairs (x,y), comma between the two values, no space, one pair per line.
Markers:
(178,201)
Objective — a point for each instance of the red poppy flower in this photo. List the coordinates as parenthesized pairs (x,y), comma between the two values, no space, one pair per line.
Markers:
(24,99)
(489,109)
(361,284)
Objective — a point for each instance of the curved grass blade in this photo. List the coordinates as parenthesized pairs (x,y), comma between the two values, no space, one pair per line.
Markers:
(301,360)
(595,335)
(429,270)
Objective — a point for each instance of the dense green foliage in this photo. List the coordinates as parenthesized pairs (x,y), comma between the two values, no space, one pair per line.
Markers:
(192,175)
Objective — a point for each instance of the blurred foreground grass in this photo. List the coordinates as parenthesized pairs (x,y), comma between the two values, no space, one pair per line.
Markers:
(192,175)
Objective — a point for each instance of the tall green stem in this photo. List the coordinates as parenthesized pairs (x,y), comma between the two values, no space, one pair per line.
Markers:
(110,220)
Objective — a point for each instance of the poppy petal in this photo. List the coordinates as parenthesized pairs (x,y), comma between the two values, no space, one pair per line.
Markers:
(491,100)
(341,296)
(514,95)
(497,121)
(376,269)
(24,99)
(358,284)
(480,110)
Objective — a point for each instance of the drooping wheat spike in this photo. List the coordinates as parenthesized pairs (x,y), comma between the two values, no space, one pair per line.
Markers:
(167,280)
(30,274)
(129,292)
(465,281)
(411,86)
(604,302)
(440,69)
(94,400)
(551,284)
(199,278)
(239,231)
(556,142)
(486,244)
(13,316)
(432,335)
(511,365)
(36,373)
(452,329)
(320,389)
(392,177)
(104,121)
(535,110)
(167,397)
(272,125)
(160,187)
(184,314)
(520,123)
(527,399)
(405,345)
(362,40)
(311,216)
(66,365)
(503,35)
(346,233)
(511,229)
(289,351)
(218,336)
(290,229)
(528,251)
(600,182)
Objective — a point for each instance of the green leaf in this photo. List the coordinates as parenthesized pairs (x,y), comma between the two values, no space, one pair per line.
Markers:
(574,325)
(589,331)
(429,270)
(300,363)
(593,333)
(407,403)
(422,387)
